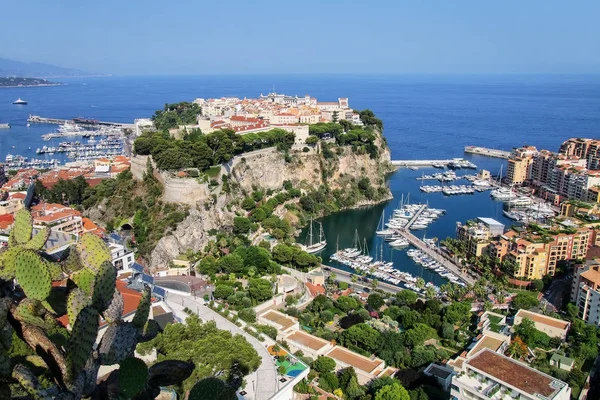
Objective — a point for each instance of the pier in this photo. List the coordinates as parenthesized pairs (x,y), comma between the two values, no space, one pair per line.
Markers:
(455,163)
(484,151)
(416,216)
(435,254)
(36,119)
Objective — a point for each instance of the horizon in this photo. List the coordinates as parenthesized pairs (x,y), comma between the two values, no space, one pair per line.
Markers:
(387,38)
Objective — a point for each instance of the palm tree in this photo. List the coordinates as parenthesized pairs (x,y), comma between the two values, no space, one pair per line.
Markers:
(430,292)
(420,283)
(354,278)
(374,283)
(332,277)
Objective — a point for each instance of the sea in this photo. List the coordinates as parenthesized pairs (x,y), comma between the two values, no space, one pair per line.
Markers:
(425,117)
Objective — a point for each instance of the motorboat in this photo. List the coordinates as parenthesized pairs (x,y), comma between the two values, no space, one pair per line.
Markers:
(20,102)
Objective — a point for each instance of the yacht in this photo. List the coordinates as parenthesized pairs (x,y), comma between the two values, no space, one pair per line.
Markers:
(315,247)
(520,202)
(502,194)
(20,102)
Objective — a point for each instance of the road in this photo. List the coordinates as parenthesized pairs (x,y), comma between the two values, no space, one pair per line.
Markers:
(345,276)
(263,383)
(555,294)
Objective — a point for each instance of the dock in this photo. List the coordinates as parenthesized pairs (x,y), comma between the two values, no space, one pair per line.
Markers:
(416,216)
(436,255)
(36,119)
(455,163)
(484,151)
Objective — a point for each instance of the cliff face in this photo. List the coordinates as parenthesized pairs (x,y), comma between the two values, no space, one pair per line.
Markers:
(266,169)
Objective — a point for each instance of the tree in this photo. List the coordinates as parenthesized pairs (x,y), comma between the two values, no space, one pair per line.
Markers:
(347,303)
(375,301)
(323,364)
(420,283)
(223,291)
(538,284)
(328,381)
(430,292)
(353,389)
(525,301)
(392,392)
(248,203)
(248,315)
(326,316)
(361,335)
(290,300)
(406,297)
(517,349)
(343,285)
(260,289)
(312,140)
(447,330)
(241,225)
(231,263)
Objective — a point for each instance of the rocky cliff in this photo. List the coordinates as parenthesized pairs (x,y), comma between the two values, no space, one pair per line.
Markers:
(266,169)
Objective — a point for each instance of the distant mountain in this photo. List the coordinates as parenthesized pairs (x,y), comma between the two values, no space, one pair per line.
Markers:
(39,70)
(22,82)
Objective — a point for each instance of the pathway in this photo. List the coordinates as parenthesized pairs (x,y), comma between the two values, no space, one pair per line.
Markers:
(261,384)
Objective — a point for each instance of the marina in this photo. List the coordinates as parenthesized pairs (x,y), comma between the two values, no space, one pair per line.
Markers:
(454,163)
(484,151)
(36,119)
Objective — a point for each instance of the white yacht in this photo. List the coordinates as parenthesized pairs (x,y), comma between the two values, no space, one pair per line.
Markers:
(502,194)
(311,246)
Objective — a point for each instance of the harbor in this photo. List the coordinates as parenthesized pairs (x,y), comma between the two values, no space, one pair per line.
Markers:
(484,151)
(454,163)
(36,119)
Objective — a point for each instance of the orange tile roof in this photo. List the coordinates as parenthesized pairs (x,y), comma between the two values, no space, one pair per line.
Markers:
(591,275)
(19,196)
(57,215)
(542,319)
(315,289)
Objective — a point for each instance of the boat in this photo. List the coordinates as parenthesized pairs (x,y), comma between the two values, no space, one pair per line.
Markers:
(20,102)
(313,247)
(413,168)
(4,126)
(520,202)
(502,194)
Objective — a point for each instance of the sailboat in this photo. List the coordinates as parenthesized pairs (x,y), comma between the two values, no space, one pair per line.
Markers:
(381,230)
(312,246)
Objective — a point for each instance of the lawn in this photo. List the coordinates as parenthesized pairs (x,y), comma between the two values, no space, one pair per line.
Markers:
(213,171)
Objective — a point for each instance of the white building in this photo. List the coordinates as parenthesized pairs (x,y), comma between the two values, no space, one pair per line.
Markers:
(122,258)
(586,292)
(489,375)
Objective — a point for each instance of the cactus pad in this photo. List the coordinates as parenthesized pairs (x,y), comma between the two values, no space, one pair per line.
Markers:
(4,364)
(7,262)
(133,374)
(150,331)
(30,383)
(93,251)
(143,310)
(84,279)
(3,312)
(76,302)
(83,336)
(39,240)
(6,337)
(104,287)
(28,311)
(118,343)
(114,312)
(22,228)
(73,261)
(33,275)
(55,270)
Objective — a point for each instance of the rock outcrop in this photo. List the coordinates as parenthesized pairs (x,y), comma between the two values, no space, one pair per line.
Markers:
(266,169)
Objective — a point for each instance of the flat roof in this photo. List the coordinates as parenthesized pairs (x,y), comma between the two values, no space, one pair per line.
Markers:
(489,221)
(515,374)
(280,319)
(354,359)
(438,371)
(487,342)
(542,319)
(307,340)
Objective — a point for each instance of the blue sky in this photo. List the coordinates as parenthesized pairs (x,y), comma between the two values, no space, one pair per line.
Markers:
(142,37)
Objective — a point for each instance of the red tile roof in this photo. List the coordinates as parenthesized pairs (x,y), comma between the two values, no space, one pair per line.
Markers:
(315,289)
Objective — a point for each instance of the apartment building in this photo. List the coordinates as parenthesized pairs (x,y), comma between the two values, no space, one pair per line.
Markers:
(531,258)
(520,164)
(478,234)
(585,291)
(58,218)
(489,375)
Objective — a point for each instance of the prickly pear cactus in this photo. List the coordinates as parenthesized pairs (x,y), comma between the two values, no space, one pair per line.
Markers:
(73,261)
(92,251)
(7,262)
(104,287)
(28,311)
(22,228)
(115,309)
(133,374)
(32,274)
(56,273)
(76,302)
(118,343)
(84,279)
(39,240)
(143,310)
(83,336)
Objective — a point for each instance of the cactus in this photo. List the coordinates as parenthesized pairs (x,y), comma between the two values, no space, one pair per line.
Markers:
(3,312)
(76,302)
(39,240)
(133,374)
(104,287)
(22,228)
(30,383)
(7,263)
(72,262)
(4,364)
(92,251)
(84,279)
(115,309)
(118,343)
(83,336)
(56,273)
(150,331)
(143,310)
(28,311)
(32,274)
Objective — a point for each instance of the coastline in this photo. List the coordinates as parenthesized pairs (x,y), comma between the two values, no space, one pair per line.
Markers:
(30,86)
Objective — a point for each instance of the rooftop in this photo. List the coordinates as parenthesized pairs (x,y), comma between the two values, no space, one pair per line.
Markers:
(307,340)
(592,275)
(353,359)
(542,319)
(515,374)
(487,342)
(490,221)
(280,319)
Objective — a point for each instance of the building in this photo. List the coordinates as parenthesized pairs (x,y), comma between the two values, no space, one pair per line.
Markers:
(366,368)
(122,258)
(488,374)
(11,205)
(493,341)
(478,234)
(442,374)
(552,327)
(64,220)
(519,165)
(282,322)
(561,362)
(585,292)
(311,346)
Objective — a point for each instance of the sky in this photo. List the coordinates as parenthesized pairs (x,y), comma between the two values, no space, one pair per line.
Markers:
(187,37)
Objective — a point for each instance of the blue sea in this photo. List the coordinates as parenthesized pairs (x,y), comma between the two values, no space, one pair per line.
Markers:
(425,117)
